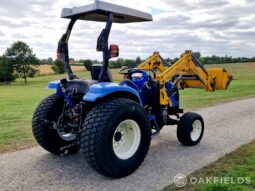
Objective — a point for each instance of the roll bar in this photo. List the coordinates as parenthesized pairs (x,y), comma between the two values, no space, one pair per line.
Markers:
(62,51)
(102,45)
(101,12)
(105,47)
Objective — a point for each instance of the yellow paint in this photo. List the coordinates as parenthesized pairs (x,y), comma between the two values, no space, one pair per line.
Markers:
(211,80)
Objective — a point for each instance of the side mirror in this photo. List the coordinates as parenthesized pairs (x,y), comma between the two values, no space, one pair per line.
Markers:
(114,51)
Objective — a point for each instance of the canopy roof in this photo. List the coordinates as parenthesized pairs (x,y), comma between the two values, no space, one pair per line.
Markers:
(99,10)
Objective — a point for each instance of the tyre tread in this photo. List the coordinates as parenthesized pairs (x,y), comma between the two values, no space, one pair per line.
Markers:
(92,134)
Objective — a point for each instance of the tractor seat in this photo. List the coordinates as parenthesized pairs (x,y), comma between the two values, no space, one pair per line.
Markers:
(95,72)
(78,86)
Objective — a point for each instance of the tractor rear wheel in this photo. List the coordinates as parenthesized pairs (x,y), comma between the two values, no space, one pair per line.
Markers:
(115,137)
(190,129)
(50,139)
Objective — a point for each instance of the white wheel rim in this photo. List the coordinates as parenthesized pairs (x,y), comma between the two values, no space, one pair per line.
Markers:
(126,139)
(196,130)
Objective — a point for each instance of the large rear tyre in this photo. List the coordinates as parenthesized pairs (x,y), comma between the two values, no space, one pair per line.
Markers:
(190,129)
(115,137)
(50,139)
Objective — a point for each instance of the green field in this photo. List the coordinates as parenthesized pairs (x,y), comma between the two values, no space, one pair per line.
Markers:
(243,85)
(18,101)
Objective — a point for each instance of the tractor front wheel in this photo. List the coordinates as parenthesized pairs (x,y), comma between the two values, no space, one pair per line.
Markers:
(115,137)
(190,129)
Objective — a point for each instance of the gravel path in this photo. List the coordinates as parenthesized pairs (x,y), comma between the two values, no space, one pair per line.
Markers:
(227,127)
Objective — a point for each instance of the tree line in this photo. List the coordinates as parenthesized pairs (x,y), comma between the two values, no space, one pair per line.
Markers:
(20,61)
(203,59)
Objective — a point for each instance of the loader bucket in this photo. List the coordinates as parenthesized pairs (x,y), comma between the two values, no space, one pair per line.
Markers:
(221,77)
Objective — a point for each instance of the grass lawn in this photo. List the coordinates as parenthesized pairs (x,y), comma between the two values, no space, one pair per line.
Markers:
(238,165)
(18,101)
(243,85)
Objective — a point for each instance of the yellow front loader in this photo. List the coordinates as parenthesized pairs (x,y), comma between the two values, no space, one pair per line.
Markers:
(187,72)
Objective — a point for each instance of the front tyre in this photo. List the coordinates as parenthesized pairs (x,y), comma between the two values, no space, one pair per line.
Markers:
(115,137)
(190,129)
(50,139)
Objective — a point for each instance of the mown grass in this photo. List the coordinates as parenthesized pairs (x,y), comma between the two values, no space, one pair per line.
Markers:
(239,166)
(18,101)
(243,85)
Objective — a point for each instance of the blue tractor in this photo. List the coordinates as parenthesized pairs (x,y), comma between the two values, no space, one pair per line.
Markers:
(111,124)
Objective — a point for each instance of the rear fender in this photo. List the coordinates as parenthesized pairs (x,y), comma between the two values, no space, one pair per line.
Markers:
(107,89)
(55,85)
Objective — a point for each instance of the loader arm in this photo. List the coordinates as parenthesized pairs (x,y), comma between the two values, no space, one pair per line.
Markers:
(185,66)
(153,63)
(189,72)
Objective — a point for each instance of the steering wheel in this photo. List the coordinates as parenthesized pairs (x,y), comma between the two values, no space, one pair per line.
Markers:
(127,71)
(130,71)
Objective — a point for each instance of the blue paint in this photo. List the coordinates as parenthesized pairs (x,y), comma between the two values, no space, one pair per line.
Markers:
(151,118)
(103,89)
(173,97)
(140,82)
(55,85)
(144,93)
(68,99)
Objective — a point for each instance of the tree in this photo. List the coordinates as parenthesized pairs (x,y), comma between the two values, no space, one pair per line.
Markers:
(6,70)
(130,63)
(138,60)
(197,54)
(23,59)
(87,64)
(46,61)
(175,60)
(50,60)
(169,60)
(114,64)
(58,67)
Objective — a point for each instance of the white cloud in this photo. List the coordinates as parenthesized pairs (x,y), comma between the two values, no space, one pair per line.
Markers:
(211,27)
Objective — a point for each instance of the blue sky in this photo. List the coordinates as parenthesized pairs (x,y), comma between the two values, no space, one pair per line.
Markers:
(219,27)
